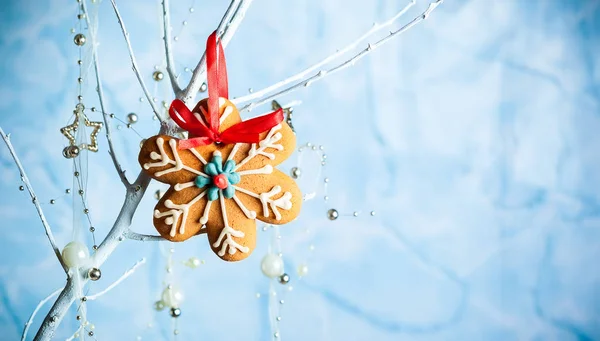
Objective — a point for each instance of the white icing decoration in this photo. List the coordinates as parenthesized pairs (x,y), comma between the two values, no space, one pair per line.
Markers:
(179,187)
(284,202)
(204,218)
(228,110)
(267,169)
(165,160)
(175,212)
(227,233)
(249,214)
(267,142)
(233,151)
(200,118)
(198,155)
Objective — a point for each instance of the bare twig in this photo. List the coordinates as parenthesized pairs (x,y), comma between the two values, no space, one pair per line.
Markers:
(121,279)
(34,198)
(39,306)
(225,31)
(370,47)
(142,237)
(105,115)
(376,28)
(134,62)
(168,49)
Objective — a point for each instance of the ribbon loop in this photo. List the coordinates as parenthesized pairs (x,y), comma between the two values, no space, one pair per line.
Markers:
(204,134)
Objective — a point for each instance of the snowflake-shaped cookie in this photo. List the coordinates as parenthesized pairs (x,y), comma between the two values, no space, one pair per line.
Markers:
(222,188)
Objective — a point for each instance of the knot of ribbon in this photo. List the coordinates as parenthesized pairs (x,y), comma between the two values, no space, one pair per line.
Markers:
(205,134)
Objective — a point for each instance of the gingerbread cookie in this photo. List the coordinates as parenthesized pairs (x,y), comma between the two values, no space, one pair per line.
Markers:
(222,188)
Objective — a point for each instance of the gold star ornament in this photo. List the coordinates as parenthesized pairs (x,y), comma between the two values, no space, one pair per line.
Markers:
(69,132)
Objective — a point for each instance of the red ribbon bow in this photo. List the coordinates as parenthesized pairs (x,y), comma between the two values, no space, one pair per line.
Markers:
(205,134)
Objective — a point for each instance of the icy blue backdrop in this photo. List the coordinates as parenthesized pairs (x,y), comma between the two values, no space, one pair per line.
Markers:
(474,137)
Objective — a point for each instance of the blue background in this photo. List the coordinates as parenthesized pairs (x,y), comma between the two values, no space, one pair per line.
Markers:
(474,137)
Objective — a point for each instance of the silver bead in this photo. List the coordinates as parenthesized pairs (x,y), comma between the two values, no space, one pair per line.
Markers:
(52,201)
(95,247)
(284,279)
(86,211)
(91,333)
(372,213)
(159,305)
(68,190)
(94,274)
(71,152)
(81,192)
(21,188)
(92,229)
(78,317)
(76,173)
(132,117)
(203,87)
(175,312)
(158,194)
(355,214)
(158,76)
(295,172)
(79,39)
(332,214)
(278,318)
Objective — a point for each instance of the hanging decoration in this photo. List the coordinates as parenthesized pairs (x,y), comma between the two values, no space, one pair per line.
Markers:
(223,177)
(73,149)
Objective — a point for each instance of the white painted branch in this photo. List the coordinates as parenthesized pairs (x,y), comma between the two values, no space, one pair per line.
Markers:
(301,75)
(225,31)
(105,115)
(133,196)
(370,47)
(134,62)
(39,306)
(142,237)
(57,312)
(118,281)
(34,198)
(168,49)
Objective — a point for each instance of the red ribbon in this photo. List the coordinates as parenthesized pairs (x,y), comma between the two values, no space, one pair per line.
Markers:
(205,134)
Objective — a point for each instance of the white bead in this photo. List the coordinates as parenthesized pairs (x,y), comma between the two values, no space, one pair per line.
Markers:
(302,270)
(272,266)
(75,254)
(172,297)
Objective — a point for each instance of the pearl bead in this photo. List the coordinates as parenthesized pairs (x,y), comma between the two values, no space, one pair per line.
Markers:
(172,297)
(132,117)
(284,279)
(302,270)
(296,172)
(158,76)
(71,152)
(272,266)
(159,305)
(94,274)
(175,312)
(75,254)
(332,214)
(79,39)
(194,262)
